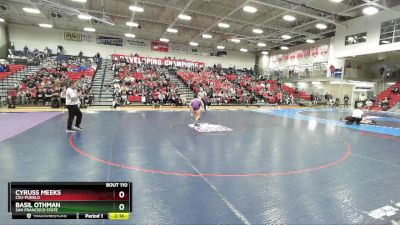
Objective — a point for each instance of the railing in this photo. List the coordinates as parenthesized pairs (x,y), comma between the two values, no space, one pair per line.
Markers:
(104,62)
(286,75)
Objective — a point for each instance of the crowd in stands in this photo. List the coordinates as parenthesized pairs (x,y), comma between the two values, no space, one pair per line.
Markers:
(229,86)
(48,85)
(148,84)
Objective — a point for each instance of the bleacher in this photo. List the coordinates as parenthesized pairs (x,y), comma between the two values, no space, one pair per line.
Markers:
(151,79)
(226,82)
(13,69)
(393,98)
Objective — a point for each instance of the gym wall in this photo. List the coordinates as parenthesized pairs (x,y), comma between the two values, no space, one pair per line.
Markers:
(36,37)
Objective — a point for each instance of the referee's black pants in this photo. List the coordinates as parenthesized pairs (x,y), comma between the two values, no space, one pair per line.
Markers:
(73,110)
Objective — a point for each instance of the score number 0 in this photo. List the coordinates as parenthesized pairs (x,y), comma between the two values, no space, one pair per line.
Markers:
(121,194)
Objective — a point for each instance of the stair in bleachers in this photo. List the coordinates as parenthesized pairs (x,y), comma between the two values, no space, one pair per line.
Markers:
(102,78)
(181,86)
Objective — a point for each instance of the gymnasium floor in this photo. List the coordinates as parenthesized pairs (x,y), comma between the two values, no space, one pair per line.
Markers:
(265,166)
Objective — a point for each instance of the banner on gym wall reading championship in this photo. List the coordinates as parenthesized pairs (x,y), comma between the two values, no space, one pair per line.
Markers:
(158,61)
(159,46)
(69,36)
(105,40)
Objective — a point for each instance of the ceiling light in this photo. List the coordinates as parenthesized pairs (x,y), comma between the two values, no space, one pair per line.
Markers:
(193,44)
(257,31)
(220,47)
(31,10)
(82,1)
(235,40)
(286,37)
(370,10)
(284,48)
(243,50)
(89,29)
(172,30)
(224,25)
(207,36)
(289,18)
(321,26)
(130,35)
(132,24)
(249,9)
(164,40)
(336,1)
(84,17)
(261,44)
(136,8)
(264,52)
(184,17)
(45,25)
(310,41)
(2,20)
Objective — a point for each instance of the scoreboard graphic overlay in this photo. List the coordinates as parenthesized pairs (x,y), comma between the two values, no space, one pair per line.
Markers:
(70,200)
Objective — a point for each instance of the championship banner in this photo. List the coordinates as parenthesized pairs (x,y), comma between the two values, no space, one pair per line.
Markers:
(159,46)
(105,40)
(324,50)
(318,53)
(292,56)
(69,36)
(158,61)
(300,54)
(307,53)
(315,51)
(285,57)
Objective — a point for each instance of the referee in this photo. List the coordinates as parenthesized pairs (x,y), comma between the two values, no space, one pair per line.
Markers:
(72,102)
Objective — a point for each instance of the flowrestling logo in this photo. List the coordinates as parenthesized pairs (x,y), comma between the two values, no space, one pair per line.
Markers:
(209,128)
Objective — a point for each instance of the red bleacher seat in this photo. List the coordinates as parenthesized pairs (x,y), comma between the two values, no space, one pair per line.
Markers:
(137,98)
(131,98)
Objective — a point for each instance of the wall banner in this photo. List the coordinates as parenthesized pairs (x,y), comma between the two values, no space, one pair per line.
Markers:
(159,46)
(70,36)
(105,40)
(137,42)
(158,61)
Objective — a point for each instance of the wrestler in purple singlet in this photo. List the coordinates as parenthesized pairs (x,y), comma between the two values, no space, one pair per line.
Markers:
(196,104)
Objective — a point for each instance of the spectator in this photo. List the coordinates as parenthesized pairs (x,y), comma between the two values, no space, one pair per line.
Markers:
(395,90)
(385,104)
(346,100)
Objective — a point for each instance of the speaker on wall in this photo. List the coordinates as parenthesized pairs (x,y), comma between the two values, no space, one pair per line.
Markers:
(3,7)
(55,15)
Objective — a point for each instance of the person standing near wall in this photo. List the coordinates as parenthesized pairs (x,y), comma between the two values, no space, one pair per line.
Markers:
(346,101)
(72,103)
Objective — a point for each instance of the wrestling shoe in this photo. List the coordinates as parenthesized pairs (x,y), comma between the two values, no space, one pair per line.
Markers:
(70,131)
(77,128)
